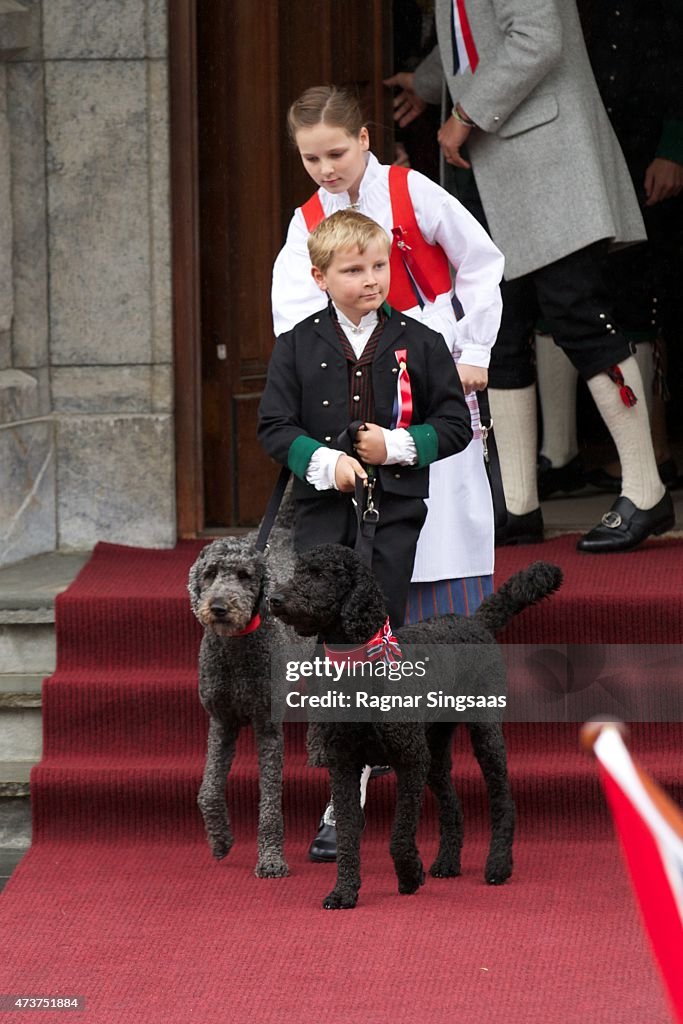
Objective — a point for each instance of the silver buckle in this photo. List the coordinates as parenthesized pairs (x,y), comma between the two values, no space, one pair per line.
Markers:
(484,438)
(371,514)
(611,520)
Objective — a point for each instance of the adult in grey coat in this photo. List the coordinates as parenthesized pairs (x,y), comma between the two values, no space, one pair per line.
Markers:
(543,170)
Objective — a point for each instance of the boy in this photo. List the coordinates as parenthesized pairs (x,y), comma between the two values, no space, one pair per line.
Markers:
(358,360)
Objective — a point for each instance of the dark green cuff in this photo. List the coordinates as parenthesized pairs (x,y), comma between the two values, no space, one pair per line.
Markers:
(671,143)
(299,454)
(426,442)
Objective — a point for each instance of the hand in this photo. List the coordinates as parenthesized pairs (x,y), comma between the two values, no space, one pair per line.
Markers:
(345,473)
(370,444)
(472,378)
(663,180)
(407,104)
(452,135)
(401,158)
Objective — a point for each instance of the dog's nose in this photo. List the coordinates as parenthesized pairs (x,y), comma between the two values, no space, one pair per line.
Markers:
(277,601)
(219,611)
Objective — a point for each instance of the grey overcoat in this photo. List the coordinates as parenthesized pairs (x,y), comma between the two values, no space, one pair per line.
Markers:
(547,163)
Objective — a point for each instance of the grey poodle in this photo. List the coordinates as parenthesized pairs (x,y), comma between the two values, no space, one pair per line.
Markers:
(333,595)
(241,645)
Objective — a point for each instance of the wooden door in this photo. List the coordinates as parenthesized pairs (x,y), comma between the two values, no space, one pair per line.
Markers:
(252,60)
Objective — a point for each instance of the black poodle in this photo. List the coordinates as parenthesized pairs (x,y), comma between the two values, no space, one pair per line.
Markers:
(333,595)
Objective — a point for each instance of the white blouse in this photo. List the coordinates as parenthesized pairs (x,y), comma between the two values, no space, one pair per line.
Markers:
(477,262)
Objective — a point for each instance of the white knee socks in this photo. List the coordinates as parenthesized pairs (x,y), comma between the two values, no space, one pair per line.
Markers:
(514,424)
(557,379)
(630,430)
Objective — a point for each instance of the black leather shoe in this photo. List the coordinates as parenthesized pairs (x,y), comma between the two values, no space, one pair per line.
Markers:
(563,479)
(323,849)
(324,846)
(525,529)
(625,526)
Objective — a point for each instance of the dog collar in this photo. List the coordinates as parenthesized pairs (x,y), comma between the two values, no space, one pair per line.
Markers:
(382,646)
(251,626)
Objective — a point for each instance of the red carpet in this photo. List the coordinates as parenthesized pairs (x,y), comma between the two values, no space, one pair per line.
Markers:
(119,901)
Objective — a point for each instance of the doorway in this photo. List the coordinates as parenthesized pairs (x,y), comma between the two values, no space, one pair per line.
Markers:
(235,68)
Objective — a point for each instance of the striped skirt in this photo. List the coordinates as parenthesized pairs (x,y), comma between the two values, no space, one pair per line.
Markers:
(441,597)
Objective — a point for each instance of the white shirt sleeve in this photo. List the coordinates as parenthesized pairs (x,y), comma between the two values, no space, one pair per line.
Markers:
(320,470)
(401,449)
(294,293)
(478,264)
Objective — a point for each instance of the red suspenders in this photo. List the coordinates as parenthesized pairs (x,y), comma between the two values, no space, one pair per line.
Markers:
(413,260)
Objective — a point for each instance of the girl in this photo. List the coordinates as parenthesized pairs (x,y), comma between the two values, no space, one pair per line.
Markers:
(453,568)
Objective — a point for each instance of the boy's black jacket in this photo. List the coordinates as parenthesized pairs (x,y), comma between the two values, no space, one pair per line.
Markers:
(307,397)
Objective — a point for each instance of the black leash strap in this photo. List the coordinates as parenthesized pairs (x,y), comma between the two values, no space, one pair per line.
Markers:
(365,500)
(492,461)
(272,509)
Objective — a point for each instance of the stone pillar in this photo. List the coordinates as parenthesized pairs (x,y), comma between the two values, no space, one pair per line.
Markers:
(109,245)
(27,452)
(89,347)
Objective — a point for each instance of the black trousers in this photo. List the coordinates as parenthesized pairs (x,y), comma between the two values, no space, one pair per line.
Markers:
(331,519)
(571,299)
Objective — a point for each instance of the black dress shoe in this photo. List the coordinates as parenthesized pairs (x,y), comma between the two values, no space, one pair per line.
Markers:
(625,526)
(324,847)
(524,529)
(565,479)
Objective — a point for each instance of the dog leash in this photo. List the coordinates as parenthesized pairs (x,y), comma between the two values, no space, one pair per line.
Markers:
(492,461)
(365,500)
(272,509)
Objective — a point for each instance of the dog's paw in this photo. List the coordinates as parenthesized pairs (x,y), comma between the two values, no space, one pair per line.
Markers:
(410,882)
(445,867)
(498,868)
(271,867)
(338,901)
(221,847)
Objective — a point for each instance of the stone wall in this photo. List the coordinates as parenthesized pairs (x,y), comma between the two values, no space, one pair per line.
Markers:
(86,426)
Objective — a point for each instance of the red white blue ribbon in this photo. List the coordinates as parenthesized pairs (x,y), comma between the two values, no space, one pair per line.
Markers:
(464,40)
(383,646)
(404,394)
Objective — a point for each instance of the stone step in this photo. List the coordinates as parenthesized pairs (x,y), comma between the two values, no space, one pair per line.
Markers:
(15,805)
(27,615)
(27,654)
(21,689)
(27,648)
(21,744)
(21,732)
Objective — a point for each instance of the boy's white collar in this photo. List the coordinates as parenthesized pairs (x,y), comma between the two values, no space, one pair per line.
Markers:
(367,321)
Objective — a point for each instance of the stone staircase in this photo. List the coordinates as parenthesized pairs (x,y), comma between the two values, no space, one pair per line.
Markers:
(27,654)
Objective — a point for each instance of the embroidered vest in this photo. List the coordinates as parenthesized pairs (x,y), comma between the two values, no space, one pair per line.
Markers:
(418,269)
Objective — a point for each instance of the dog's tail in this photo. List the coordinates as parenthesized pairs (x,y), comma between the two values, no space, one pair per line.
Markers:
(525,588)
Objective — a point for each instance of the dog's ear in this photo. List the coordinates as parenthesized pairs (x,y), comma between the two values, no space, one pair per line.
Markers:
(363,604)
(193,581)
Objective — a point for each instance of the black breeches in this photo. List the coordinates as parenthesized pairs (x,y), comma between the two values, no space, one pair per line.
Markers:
(571,299)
